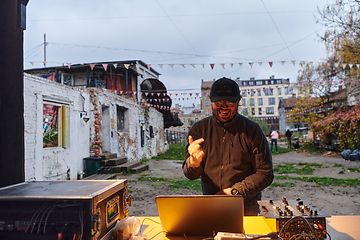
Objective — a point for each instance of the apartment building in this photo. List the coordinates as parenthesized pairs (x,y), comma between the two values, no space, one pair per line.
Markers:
(260,98)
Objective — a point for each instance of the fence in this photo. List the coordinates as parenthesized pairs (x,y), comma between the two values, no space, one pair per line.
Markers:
(176,137)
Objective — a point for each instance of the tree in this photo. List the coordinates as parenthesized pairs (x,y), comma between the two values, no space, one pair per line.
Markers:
(317,81)
(342,40)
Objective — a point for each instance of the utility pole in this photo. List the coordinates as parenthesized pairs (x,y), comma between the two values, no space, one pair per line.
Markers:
(45,49)
(12,18)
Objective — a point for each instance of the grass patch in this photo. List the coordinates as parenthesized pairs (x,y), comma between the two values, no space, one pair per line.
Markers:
(291,168)
(175,152)
(286,184)
(280,150)
(354,169)
(338,165)
(187,184)
(324,181)
(153,179)
(175,184)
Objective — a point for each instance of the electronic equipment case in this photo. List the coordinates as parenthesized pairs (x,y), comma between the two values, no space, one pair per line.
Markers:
(83,209)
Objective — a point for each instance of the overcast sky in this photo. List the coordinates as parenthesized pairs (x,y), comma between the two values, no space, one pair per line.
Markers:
(229,34)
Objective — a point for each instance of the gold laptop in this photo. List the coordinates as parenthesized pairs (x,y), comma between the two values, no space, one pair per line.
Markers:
(201,215)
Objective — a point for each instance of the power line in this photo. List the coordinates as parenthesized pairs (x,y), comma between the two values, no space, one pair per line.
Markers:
(277,29)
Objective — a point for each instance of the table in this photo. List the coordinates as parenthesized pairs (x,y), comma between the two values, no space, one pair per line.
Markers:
(339,227)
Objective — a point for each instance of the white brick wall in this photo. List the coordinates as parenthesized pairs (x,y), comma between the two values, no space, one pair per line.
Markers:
(58,163)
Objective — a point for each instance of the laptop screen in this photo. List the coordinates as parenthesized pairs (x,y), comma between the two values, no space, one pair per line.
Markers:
(201,215)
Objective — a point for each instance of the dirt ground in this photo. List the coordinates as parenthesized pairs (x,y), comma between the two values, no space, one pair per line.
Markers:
(333,200)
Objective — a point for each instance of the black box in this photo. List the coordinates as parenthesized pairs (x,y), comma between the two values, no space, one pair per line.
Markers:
(84,209)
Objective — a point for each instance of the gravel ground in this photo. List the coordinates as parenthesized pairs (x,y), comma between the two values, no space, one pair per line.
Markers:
(333,200)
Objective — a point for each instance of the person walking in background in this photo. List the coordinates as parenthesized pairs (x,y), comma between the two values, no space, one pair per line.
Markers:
(288,136)
(274,138)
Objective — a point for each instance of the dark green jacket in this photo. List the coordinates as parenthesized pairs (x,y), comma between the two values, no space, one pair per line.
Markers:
(237,155)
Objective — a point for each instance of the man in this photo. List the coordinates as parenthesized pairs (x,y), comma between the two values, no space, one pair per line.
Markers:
(229,151)
(288,137)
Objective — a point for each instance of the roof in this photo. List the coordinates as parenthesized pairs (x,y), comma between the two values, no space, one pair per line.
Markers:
(338,95)
(290,102)
(97,64)
(207,84)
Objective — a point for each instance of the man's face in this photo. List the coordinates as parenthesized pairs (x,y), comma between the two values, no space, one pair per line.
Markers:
(224,111)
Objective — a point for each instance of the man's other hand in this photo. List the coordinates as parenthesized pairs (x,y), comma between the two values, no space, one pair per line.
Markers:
(226,191)
(196,152)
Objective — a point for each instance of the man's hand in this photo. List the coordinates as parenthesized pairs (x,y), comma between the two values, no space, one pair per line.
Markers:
(196,152)
(226,191)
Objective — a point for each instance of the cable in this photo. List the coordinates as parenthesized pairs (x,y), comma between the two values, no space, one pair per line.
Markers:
(277,29)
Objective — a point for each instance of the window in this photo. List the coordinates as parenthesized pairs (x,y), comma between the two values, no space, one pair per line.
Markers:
(183,120)
(196,119)
(258,83)
(252,93)
(288,90)
(278,81)
(207,103)
(260,101)
(244,102)
(251,102)
(272,82)
(251,83)
(252,111)
(270,110)
(244,111)
(243,93)
(122,119)
(244,83)
(207,112)
(280,99)
(151,130)
(260,111)
(55,125)
(184,128)
(268,92)
(67,79)
(179,129)
(279,91)
(271,101)
(259,92)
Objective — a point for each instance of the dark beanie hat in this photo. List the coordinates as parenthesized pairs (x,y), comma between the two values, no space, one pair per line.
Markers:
(224,89)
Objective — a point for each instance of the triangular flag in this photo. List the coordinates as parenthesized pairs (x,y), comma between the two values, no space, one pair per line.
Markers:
(105,65)
(282,62)
(148,66)
(160,65)
(193,65)
(32,63)
(127,65)
(223,65)
(231,64)
(293,62)
(240,64)
(203,65)
(350,65)
(115,65)
(183,65)
(92,65)
(172,66)
(260,63)
(212,65)
(69,65)
(270,63)
(251,64)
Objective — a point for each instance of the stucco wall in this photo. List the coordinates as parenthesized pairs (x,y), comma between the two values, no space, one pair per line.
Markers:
(60,163)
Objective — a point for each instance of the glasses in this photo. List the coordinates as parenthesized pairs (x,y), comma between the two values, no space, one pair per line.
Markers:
(224,104)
